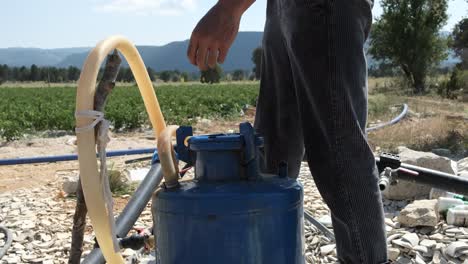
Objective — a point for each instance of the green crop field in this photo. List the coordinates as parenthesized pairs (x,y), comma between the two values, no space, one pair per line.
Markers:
(29,110)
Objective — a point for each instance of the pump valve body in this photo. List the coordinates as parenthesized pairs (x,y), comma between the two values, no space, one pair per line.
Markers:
(230,212)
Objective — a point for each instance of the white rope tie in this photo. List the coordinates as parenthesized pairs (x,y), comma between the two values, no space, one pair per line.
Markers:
(102,140)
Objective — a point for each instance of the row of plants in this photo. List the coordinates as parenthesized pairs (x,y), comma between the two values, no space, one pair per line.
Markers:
(29,110)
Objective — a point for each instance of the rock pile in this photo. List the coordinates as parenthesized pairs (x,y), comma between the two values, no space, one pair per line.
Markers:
(442,244)
(40,223)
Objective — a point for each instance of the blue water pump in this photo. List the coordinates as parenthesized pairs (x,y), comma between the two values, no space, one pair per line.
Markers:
(230,213)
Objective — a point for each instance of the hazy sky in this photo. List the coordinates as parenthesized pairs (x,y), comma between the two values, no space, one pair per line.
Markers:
(79,23)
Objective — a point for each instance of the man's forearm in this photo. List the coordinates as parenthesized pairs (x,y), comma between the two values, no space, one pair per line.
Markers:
(239,6)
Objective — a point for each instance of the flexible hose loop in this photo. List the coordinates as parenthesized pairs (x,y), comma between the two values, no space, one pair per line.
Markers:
(90,180)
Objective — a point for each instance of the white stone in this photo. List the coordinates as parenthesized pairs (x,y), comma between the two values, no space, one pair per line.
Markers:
(411,238)
(46,245)
(428,243)
(419,213)
(62,236)
(12,259)
(437,237)
(436,259)
(325,250)
(419,259)
(393,237)
(46,222)
(392,224)
(70,183)
(18,246)
(326,220)
(405,190)
(421,249)
(137,175)
(30,258)
(463,167)
(393,253)
(315,240)
(455,249)
(46,237)
(402,244)
(440,246)
(454,231)
(28,224)
(71,141)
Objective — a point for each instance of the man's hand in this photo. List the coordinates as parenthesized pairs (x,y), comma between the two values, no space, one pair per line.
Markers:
(215,33)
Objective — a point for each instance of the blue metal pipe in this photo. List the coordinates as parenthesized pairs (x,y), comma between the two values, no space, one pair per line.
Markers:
(132,210)
(48,159)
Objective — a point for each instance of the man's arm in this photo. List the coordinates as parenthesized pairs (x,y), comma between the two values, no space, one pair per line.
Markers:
(215,33)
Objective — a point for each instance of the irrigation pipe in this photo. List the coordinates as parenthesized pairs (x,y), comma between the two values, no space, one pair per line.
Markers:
(132,210)
(8,241)
(95,189)
(397,119)
(308,216)
(47,159)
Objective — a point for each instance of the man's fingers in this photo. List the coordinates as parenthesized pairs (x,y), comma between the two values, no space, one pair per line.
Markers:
(212,56)
(192,51)
(222,55)
(201,57)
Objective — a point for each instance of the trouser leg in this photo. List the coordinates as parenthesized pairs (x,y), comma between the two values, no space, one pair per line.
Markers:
(277,116)
(324,40)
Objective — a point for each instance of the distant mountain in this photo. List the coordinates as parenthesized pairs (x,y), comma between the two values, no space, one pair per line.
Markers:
(168,57)
(174,55)
(40,57)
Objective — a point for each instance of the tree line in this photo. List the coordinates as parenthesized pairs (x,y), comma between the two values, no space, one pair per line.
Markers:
(72,74)
(36,73)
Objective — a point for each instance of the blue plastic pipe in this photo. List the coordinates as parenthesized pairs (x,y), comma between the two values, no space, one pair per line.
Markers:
(393,121)
(47,159)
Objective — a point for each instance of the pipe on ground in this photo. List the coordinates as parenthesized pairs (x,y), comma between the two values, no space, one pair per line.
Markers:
(391,122)
(132,210)
(8,240)
(70,157)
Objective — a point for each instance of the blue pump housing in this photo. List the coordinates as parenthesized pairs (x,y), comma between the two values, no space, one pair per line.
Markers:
(229,213)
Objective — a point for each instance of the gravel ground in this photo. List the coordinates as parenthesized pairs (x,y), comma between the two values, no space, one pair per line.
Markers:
(41,221)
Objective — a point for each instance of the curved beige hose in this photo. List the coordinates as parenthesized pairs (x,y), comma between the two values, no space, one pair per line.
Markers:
(167,157)
(90,180)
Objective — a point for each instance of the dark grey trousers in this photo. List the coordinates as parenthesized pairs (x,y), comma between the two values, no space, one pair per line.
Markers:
(313,96)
